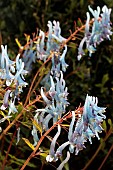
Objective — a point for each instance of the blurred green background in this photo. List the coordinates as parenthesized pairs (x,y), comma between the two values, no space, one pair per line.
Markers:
(90,75)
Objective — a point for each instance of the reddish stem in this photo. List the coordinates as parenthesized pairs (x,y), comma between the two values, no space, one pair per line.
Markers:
(103,162)
(4,162)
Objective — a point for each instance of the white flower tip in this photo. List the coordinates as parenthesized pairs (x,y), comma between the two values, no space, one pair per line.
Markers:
(79,57)
(3,107)
(49,158)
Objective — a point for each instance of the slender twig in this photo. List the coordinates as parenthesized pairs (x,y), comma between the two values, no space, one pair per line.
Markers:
(78,30)
(28,95)
(41,139)
(37,83)
(98,149)
(4,162)
(111,148)
(18,117)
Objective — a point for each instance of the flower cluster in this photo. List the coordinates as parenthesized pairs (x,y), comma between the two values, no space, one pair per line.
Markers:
(13,73)
(48,45)
(101,30)
(88,125)
(54,92)
(56,102)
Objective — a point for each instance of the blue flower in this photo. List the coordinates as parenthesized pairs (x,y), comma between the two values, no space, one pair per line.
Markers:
(12,108)
(29,56)
(19,78)
(64,161)
(62,59)
(80,49)
(87,126)
(52,155)
(101,30)
(5,100)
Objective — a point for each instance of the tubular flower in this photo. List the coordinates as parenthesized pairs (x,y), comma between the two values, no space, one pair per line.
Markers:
(57,102)
(101,30)
(52,47)
(64,161)
(3,119)
(87,126)
(52,155)
(13,72)
(5,100)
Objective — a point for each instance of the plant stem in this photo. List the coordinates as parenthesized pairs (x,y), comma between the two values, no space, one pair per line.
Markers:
(4,162)
(78,30)
(99,148)
(18,116)
(42,138)
(29,92)
(37,83)
(111,148)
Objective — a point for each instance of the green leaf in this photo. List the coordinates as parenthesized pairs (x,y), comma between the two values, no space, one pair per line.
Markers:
(105,79)
(39,128)
(104,126)
(102,144)
(18,43)
(22,26)
(110,123)
(20,162)
(28,143)
(72,45)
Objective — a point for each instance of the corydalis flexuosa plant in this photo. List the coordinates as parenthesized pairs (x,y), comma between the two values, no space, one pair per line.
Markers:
(13,73)
(54,93)
(89,124)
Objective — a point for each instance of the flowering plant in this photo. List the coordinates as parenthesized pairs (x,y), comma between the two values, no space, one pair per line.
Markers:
(49,49)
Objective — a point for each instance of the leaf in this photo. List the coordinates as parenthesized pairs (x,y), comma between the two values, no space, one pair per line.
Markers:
(104,126)
(39,128)
(110,123)
(27,37)
(26,124)
(18,43)
(79,22)
(105,79)
(65,125)
(102,144)
(44,71)
(28,143)
(20,161)
(22,26)
(44,154)
(2,113)
(72,45)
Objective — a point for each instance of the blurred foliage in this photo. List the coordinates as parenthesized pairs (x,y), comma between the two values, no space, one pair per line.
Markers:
(91,75)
